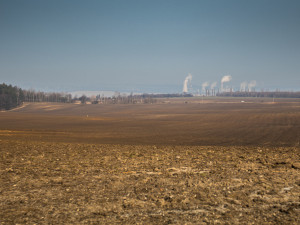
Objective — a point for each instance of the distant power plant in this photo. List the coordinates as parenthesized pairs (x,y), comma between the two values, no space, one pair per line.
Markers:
(212,89)
(187,83)
(207,89)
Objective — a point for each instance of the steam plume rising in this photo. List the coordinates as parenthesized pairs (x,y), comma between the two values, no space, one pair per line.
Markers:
(187,81)
(204,85)
(251,85)
(226,78)
(213,85)
(243,86)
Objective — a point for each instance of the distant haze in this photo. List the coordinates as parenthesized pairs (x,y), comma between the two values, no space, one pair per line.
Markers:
(150,46)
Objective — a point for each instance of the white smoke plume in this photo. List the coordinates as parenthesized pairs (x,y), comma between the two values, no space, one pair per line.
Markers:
(252,85)
(226,78)
(187,81)
(213,85)
(204,85)
(243,86)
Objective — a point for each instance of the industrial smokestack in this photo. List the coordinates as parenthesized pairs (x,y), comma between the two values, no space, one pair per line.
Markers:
(187,81)
(212,87)
(204,85)
(243,86)
(252,85)
(225,79)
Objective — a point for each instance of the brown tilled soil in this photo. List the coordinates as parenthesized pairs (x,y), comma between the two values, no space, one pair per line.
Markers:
(65,183)
(167,163)
(222,124)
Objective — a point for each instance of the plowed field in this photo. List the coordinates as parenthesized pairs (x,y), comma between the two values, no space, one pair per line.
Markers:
(175,163)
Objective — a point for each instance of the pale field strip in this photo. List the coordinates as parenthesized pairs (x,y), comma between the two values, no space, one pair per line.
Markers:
(172,171)
(20,107)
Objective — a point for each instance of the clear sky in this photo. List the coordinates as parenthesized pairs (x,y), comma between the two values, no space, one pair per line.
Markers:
(148,45)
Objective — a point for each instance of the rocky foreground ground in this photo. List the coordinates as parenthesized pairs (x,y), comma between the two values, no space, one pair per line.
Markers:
(48,183)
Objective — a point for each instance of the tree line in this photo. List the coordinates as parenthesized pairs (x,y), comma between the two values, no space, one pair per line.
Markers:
(10,96)
(13,96)
(126,99)
(40,96)
(116,99)
(268,94)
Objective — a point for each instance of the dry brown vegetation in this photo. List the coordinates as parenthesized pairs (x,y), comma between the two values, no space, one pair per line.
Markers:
(166,163)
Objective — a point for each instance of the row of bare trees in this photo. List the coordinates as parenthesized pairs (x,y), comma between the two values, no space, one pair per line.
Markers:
(39,96)
(127,99)
(269,94)
(117,99)
(11,97)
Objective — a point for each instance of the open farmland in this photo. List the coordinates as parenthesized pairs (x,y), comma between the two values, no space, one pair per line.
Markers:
(177,123)
(181,161)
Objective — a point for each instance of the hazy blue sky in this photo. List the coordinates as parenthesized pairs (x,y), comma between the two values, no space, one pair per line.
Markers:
(148,44)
